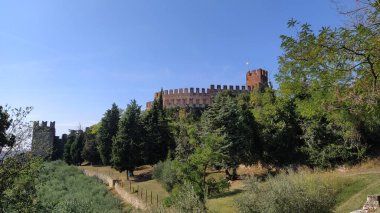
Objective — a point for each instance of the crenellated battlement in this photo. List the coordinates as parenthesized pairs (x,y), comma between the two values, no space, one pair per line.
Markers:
(202,97)
(36,124)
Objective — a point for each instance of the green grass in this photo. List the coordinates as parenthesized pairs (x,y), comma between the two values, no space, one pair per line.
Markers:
(354,195)
(64,188)
(224,203)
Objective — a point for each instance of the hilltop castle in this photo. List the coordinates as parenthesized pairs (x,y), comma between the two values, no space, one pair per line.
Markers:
(44,142)
(255,79)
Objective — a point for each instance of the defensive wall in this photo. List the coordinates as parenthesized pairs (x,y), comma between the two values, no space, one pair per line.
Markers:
(202,97)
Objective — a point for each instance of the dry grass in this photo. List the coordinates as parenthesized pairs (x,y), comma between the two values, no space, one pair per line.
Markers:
(141,181)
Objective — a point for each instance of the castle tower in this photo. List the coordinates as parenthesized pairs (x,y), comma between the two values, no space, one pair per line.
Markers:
(257,79)
(43,139)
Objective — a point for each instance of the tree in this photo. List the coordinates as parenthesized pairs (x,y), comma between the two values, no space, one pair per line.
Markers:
(76,148)
(90,152)
(159,140)
(229,116)
(332,77)
(128,145)
(106,132)
(67,147)
(278,126)
(15,131)
(18,170)
(5,123)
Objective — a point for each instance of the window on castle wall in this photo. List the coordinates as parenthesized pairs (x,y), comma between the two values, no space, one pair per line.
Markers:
(197,101)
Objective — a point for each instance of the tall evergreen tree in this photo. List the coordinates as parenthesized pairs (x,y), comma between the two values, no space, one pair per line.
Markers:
(127,148)
(159,140)
(77,147)
(90,152)
(229,116)
(106,132)
(67,147)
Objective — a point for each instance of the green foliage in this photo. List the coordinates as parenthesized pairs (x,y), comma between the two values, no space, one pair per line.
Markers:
(5,123)
(279,128)
(107,130)
(331,77)
(292,192)
(229,116)
(63,188)
(90,152)
(128,145)
(166,173)
(17,183)
(76,148)
(185,199)
(185,133)
(67,147)
(158,137)
(216,187)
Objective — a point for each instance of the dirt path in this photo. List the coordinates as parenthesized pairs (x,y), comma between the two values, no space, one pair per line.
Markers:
(116,187)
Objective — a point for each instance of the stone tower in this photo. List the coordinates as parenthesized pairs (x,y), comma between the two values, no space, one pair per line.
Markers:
(257,79)
(43,139)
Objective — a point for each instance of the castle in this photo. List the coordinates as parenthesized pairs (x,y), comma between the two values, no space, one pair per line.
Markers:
(44,142)
(255,79)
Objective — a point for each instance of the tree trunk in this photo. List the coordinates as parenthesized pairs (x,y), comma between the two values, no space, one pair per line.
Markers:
(228,175)
(234,173)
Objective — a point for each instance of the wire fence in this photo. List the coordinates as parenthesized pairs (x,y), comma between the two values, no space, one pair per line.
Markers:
(126,188)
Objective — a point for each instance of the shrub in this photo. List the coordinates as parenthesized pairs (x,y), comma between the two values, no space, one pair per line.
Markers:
(301,192)
(165,173)
(216,187)
(184,199)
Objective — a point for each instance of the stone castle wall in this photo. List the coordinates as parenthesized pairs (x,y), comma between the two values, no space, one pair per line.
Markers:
(203,97)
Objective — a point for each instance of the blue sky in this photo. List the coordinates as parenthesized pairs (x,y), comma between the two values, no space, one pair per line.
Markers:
(71,59)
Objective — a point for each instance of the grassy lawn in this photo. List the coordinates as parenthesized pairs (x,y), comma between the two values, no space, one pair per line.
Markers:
(354,195)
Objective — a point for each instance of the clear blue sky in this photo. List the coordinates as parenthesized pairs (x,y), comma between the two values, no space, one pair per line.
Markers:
(71,59)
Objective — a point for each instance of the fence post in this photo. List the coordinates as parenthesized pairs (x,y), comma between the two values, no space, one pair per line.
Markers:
(146,195)
(157,200)
(130,186)
(151,197)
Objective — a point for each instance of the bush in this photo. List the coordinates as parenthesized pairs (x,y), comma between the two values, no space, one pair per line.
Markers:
(184,199)
(216,187)
(165,173)
(301,192)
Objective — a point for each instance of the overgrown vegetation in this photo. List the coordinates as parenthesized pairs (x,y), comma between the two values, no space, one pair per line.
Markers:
(63,188)
(301,192)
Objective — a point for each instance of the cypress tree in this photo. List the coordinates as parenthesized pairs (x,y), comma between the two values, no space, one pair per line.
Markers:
(76,148)
(107,130)
(128,144)
(159,140)
(67,147)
